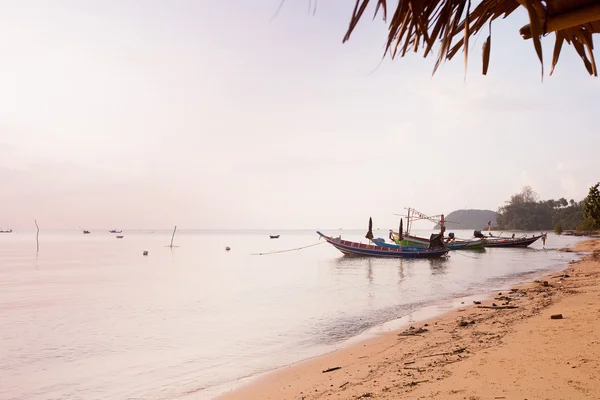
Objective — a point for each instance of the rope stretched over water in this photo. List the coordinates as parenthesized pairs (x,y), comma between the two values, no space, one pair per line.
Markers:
(285,251)
(464,255)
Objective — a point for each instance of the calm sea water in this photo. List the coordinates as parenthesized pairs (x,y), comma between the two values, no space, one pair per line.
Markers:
(90,318)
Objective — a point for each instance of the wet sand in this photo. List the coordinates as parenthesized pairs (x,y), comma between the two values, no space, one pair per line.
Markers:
(475,353)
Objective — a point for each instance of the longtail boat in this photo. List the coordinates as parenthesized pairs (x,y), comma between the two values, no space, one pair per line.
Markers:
(501,241)
(349,248)
(510,242)
(456,244)
(452,243)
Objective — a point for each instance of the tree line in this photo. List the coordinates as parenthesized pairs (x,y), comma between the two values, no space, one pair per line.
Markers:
(524,211)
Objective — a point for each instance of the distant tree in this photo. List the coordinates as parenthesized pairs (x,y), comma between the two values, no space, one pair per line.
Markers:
(572,203)
(558,228)
(529,195)
(591,204)
(525,212)
(587,225)
(563,202)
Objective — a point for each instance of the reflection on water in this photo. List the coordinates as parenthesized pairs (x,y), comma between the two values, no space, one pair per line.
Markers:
(438,266)
(90,317)
(400,271)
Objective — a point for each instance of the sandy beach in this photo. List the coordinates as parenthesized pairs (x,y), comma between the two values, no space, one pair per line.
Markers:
(513,350)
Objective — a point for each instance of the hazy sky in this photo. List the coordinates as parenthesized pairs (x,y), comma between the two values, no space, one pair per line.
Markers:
(207,114)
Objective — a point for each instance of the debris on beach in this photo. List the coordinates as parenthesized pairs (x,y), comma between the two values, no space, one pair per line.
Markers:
(331,369)
(413,331)
(415,383)
(496,307)
(556,316)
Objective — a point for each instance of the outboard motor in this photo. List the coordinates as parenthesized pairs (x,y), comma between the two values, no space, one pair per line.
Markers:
(478,234)
(436,241)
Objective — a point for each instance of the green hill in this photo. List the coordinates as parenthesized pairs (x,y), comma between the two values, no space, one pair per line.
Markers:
(470,219)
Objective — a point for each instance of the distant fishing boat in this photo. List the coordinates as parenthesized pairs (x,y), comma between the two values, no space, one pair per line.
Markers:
(6,231)
(349,248)
(119,236)
(86,232)
(274,236)
(114,231)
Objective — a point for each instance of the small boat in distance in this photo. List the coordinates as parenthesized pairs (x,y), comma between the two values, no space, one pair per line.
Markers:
(115,231)
(86,232)
(6,231)
(119,236)
(274,236)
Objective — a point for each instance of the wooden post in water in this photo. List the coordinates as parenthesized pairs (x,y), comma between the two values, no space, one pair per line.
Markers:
(37,237)
(172,237)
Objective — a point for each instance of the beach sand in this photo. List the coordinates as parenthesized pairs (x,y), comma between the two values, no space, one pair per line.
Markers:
(478,353)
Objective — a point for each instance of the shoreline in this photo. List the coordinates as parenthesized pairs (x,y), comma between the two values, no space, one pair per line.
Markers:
(384,365)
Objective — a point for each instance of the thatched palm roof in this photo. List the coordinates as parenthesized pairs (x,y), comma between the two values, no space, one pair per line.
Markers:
(419,24)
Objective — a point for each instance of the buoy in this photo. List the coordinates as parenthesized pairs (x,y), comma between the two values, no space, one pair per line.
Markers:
(227,248)
(145,252)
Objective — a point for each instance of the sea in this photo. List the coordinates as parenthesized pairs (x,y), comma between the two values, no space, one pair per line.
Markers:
(91,317)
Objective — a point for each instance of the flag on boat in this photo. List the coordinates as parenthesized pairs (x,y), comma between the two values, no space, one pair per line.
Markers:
(369,234)
(400,230)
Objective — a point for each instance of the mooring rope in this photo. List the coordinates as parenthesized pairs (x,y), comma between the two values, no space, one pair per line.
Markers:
(464,255)
(284,251)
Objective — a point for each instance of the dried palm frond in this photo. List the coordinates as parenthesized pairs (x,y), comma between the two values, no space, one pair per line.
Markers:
(421,24)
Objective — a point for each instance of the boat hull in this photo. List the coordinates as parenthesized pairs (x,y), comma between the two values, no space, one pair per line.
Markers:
(525,242)
(414,241)
(349,248)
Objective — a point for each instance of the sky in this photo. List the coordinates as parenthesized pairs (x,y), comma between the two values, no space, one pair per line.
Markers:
(225,115)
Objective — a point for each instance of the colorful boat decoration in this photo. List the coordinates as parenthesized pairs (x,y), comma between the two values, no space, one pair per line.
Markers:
(349,248)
